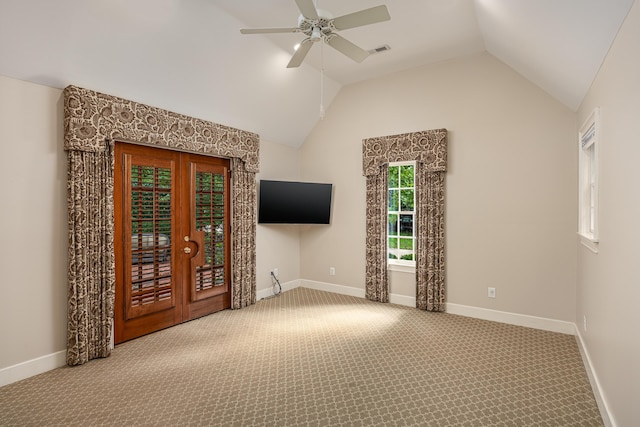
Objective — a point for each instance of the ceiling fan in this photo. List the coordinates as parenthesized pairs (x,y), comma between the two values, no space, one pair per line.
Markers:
(320,25)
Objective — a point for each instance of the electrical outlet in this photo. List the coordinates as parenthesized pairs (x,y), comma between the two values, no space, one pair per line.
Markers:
(584,323)
(491,293)
(332,271)
(275,271)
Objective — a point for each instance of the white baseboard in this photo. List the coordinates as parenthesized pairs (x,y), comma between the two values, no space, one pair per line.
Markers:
(354,292)
(605,413)
(32,367)
(542,323)
(402,300)
(462,310)
(287,286)
(332,287)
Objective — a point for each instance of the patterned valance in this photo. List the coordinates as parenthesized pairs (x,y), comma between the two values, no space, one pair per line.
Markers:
(427,147)
(91,118)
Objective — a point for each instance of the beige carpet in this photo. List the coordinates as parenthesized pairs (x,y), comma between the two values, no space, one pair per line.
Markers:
(311,358)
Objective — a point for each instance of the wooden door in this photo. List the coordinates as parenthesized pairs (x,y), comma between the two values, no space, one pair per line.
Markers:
(207,284)
(172,242)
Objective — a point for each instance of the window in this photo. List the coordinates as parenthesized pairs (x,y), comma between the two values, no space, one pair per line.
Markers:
(588,145)
(401,239)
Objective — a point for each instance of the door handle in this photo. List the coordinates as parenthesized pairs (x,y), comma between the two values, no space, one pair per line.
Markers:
(198,239)
(187,249)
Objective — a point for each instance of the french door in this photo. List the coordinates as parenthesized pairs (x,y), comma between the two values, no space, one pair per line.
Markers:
(172,242)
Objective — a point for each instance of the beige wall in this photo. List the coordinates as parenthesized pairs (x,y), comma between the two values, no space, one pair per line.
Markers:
(278,245)
(33,223)
(511,184)
(609,282)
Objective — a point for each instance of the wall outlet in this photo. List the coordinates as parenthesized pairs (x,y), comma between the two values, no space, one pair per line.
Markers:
(332,271)
(584,323)
(275,271)
(491,292)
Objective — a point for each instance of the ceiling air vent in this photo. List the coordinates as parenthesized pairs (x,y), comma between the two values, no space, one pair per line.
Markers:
(380,49)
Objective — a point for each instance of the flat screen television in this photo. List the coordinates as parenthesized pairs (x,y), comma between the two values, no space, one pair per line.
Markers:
(287,202)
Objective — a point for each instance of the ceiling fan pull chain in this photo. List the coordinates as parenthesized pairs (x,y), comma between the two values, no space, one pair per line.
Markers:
(322,79)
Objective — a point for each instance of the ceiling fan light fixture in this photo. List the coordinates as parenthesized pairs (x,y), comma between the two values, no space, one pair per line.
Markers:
(316,34)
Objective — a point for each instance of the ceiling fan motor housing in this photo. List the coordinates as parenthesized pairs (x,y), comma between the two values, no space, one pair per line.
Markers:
(316,28)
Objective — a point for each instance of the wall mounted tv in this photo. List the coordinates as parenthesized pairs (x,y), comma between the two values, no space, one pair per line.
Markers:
(287,202)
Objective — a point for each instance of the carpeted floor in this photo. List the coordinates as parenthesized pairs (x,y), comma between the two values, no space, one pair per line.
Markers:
(311,358)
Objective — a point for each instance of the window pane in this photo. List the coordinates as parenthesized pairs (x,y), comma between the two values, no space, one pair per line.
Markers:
(392,248)
(393,176)
(393,200)
(164,178)
(406,200)
(393,243)
(407,257)
(406,176)
(406,244)
(393,225)
(406,225)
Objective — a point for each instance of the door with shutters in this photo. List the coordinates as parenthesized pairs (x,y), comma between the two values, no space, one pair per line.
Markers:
(172,241)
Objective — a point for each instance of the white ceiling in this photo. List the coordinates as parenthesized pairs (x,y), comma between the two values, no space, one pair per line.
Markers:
(188,55)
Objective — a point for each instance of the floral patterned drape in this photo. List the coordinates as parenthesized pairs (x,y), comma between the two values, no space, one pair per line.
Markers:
(429,150)
(90,120)
(91,268)
(376,285)
(430,273)
(243,235)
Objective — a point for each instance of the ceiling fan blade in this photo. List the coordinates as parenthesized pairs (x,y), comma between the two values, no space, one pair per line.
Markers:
(268,30)
(307,8)
(300,54)
(363,17)
(347,48)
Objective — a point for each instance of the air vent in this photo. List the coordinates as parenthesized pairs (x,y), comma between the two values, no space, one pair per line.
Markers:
(380,49)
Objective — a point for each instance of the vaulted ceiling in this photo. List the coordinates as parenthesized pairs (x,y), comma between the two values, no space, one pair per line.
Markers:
(188,56)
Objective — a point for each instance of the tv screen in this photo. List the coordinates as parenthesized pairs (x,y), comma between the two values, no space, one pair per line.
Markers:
(286,202)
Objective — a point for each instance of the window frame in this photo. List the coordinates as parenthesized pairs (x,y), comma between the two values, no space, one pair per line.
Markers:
(588,179)
(400,264)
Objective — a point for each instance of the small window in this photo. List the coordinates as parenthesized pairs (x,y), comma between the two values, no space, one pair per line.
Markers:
(401,238)
(588,145)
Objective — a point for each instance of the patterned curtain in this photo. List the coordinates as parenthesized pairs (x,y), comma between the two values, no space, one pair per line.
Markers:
(91,264)
(430,271)
(377,286)
(243,290)
(90,119)
(429,150)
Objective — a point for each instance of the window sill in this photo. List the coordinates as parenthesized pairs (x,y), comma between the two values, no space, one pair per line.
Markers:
(591,244)
(401,268)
